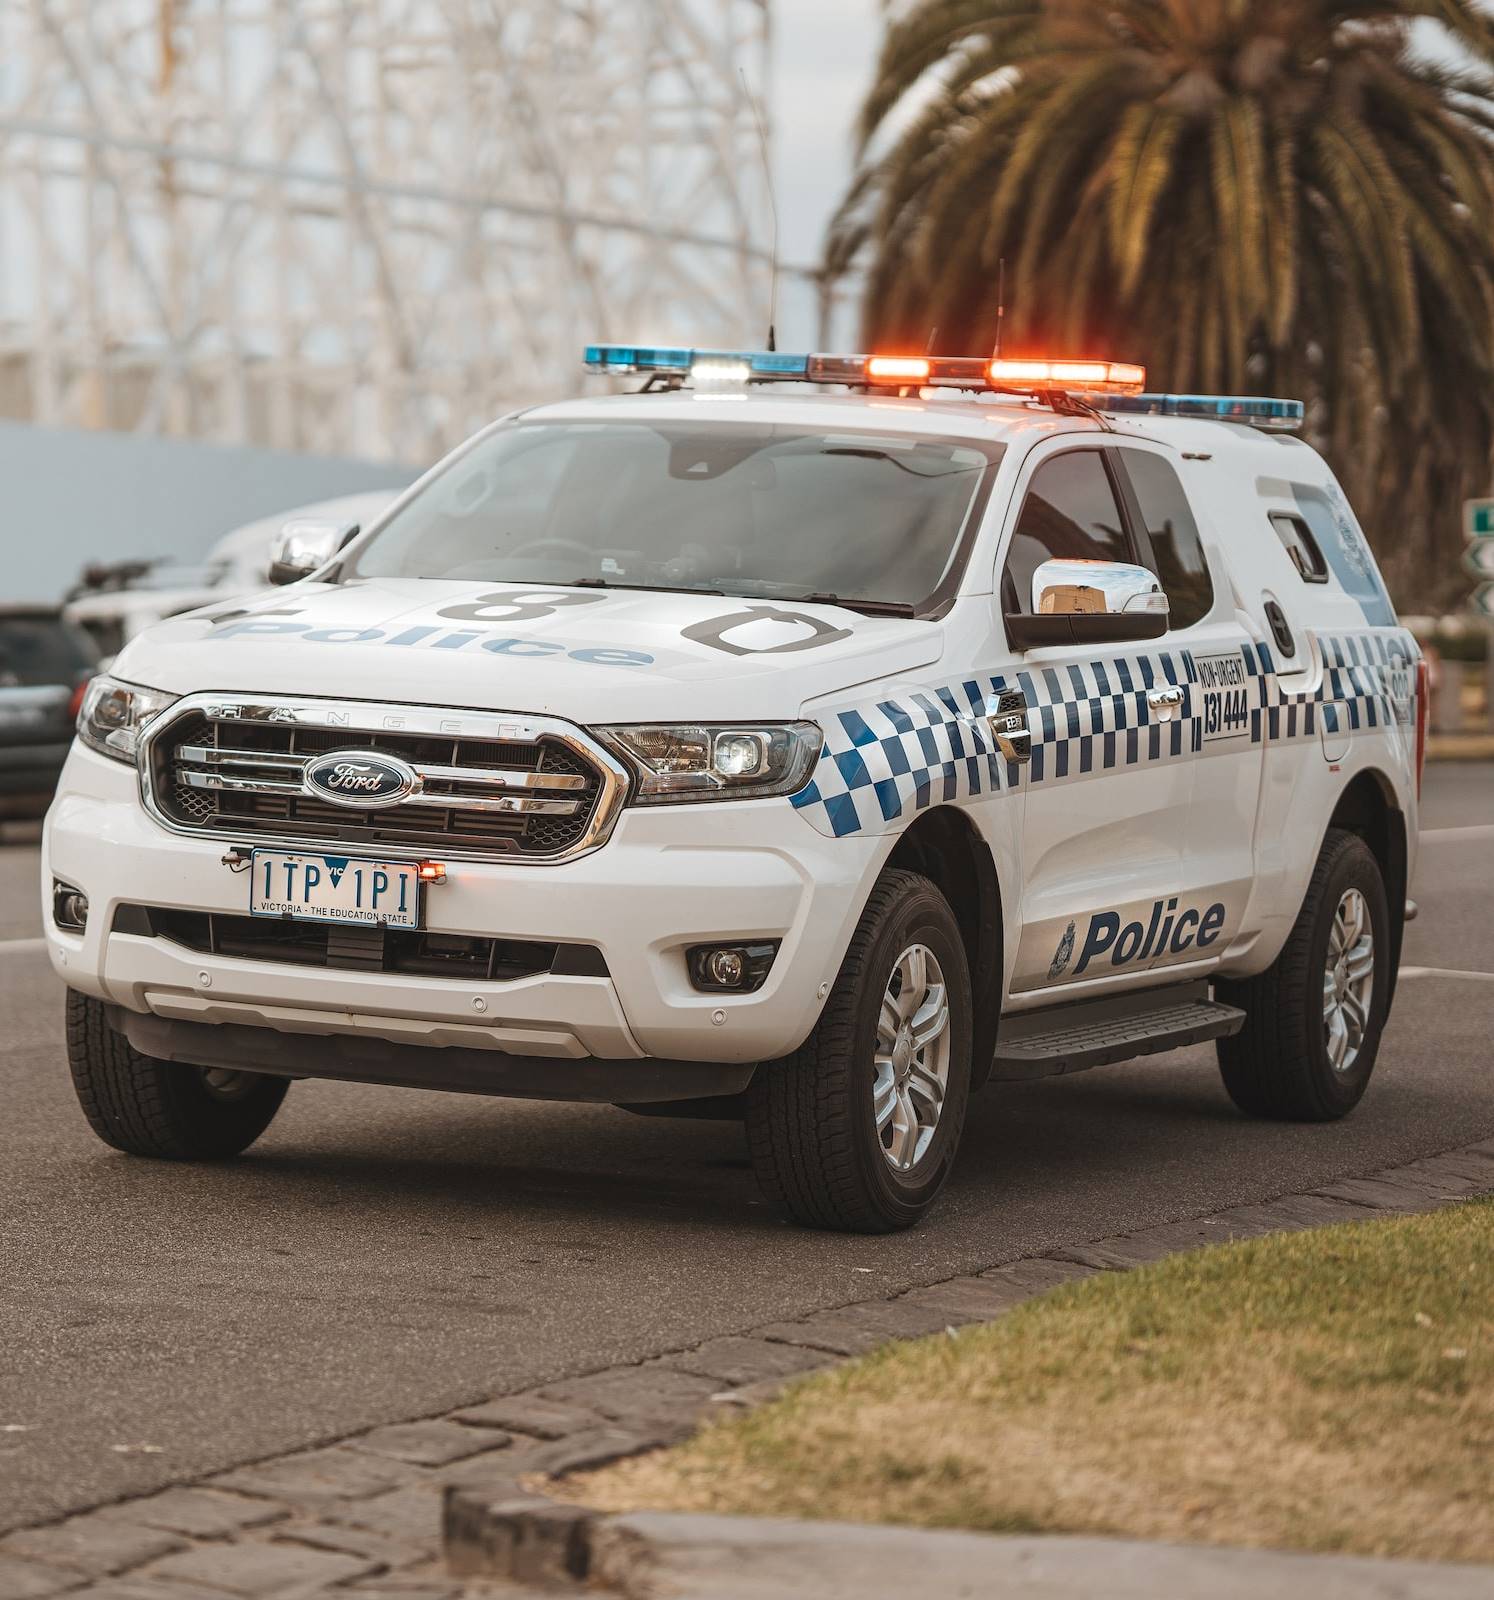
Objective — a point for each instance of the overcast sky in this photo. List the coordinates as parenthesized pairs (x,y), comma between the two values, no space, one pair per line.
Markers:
(824,52)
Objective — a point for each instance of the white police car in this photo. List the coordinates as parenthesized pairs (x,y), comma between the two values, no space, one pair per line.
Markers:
(812,754)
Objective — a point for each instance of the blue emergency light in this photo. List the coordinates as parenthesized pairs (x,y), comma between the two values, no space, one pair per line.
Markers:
(1259,411)
(763,365)
(1113,386)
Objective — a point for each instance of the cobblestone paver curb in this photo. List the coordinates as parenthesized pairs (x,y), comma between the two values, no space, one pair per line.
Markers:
(435,1508)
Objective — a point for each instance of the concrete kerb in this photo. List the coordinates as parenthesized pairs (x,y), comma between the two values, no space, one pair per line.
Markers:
(504,1527)
(653,1554)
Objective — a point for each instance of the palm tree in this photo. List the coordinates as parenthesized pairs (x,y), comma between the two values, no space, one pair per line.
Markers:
(1278,196)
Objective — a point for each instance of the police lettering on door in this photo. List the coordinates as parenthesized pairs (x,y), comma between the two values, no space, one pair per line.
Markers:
(1167,932)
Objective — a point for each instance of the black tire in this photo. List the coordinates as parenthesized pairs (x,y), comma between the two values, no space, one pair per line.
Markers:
(811,1127)
(147,1107)
(1278,1065)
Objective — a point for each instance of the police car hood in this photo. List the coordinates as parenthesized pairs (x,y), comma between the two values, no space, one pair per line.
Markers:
(586,655)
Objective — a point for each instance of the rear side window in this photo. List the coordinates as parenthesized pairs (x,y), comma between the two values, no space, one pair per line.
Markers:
(1168,518)
(1070,513)
(1300,545)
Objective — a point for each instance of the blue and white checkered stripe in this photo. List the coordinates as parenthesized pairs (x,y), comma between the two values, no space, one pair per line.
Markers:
(884,761)
(1093,716)
(1367,683)
(897,756)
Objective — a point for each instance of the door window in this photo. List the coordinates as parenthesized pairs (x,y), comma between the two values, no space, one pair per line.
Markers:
(1070,513)
(1179,554)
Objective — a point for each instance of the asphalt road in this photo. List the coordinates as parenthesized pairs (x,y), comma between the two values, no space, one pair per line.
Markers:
(383,1253)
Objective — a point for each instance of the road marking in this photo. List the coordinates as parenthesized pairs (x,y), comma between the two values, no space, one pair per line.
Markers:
(1478,830)
(1446,972)
(15,947)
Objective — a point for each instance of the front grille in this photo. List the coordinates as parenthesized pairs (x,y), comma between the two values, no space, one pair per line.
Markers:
(358,949)
(231,770)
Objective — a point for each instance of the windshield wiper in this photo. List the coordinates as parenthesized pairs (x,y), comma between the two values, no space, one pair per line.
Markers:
(871,453)
(870,608)
(650,588)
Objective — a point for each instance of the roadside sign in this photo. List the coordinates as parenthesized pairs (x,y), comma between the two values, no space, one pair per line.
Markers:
(1479,558)
(1478,519)
(1483,600)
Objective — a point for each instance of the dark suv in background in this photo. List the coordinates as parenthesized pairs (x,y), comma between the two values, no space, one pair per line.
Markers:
(44,665)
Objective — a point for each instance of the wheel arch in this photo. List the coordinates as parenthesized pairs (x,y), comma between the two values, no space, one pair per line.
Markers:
(1369,808)
(944,846)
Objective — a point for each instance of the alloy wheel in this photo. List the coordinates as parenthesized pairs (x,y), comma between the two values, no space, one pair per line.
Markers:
(912,1058)
(1348,981)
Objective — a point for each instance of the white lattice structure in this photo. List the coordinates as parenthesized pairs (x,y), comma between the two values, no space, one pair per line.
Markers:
(363,226)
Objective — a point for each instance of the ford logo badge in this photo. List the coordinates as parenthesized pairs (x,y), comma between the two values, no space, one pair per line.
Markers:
(360,778)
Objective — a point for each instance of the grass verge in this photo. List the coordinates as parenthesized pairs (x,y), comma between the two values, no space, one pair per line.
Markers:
(1330,1390)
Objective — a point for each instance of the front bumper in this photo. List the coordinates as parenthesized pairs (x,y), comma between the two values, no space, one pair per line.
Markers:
(669,878)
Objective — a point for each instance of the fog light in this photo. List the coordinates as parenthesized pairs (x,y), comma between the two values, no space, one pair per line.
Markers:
(742,967)
(69,907)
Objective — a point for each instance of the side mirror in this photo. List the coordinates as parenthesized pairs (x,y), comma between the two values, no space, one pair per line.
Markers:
(1090,602)
(303,545)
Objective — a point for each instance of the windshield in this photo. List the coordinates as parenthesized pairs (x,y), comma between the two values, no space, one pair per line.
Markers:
(733,508)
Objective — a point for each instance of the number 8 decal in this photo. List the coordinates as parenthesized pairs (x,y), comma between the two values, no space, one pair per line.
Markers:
(516,606)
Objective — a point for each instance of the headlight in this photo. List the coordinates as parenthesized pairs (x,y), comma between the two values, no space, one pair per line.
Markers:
(686,761)
(114,714)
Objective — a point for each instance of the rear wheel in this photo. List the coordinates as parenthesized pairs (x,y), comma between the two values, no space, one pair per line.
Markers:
(1314,1018)
(147,1107)
(858,1129)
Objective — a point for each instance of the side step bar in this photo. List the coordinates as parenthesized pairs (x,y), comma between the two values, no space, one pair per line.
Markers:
(1095,1033)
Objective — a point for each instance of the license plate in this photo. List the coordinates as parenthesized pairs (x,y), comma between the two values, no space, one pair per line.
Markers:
(314,888)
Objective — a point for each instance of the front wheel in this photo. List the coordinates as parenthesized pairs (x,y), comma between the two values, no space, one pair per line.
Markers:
(147,1107)
(1313,1018)
(858,1129)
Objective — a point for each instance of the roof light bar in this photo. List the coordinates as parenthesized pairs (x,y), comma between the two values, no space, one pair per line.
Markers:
(1258,411)
(898,371)
(1113,386)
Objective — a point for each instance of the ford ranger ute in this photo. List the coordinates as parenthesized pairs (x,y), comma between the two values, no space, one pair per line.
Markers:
(805,739)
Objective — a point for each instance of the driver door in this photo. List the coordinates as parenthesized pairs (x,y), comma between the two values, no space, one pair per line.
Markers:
(1110,778)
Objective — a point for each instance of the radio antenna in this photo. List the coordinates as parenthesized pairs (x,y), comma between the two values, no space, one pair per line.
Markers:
(762,143)
(1000,306)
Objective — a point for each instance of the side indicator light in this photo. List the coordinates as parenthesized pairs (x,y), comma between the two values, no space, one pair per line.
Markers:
(431,871)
